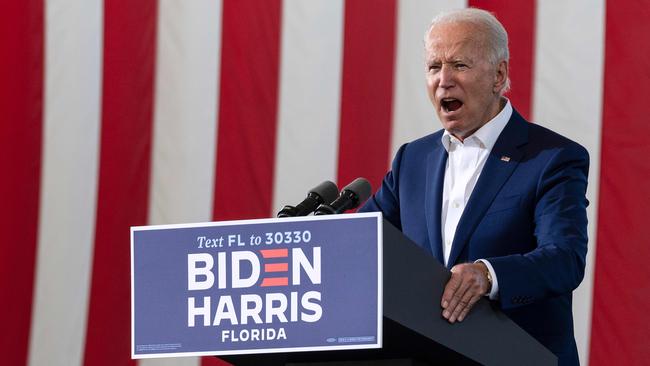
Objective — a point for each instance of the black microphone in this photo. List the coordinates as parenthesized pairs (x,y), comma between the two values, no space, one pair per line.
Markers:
(323,193)
(351,196)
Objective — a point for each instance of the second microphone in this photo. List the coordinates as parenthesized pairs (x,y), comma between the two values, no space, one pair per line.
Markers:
(351,197)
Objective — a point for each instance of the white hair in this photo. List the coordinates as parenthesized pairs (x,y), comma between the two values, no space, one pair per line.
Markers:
(496,34)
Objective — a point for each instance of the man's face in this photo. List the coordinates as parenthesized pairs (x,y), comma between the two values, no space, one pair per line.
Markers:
(462,83)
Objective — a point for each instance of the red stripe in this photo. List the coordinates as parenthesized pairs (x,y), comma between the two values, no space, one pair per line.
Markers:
(275,281)
(248,102)
(276,267)
(129,49)
(21,98)
(620,330)
(367,90)
(518,17)
(247,109)
(275,253)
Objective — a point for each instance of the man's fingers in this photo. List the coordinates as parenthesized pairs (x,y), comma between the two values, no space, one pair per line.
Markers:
(465,311)
(455,299)
(452,285)
(463,290)
(464,306)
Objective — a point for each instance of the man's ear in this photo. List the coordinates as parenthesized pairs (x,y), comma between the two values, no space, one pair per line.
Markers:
(501,77)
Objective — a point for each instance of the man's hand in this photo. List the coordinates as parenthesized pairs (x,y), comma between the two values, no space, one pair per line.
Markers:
(467,284)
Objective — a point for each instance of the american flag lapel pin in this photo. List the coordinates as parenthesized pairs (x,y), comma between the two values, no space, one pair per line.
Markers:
(505,158)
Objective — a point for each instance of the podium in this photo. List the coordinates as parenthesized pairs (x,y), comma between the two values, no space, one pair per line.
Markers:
(408,286)
(415,333)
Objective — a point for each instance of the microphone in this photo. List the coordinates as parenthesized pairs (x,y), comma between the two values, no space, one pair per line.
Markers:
(351,196)
(323,193)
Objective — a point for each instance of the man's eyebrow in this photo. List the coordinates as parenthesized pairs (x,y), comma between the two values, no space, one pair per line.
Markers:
(464,60)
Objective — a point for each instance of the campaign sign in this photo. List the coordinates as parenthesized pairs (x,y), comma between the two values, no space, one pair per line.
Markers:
(257,286)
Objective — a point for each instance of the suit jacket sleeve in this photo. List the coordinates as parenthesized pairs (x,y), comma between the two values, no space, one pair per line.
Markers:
(556,265)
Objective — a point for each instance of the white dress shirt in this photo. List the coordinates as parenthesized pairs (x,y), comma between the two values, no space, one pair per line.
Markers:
(464,165)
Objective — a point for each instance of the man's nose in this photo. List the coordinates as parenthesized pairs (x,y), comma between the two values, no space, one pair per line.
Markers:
(446,77)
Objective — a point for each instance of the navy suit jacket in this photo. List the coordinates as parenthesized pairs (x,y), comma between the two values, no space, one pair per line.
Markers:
(526,215)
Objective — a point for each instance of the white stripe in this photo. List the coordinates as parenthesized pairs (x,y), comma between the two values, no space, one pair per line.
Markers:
(185,118)
(185,111)
(567,98)
(73,54)
(413,114)
(310,83)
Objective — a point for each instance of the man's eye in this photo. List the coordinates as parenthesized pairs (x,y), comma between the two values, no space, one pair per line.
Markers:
(461,66)
(434,67)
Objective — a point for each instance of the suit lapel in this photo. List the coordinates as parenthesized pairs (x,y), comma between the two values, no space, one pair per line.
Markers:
(436,163)
(500,164)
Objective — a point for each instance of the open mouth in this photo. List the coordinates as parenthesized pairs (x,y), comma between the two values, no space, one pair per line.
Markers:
(450,104)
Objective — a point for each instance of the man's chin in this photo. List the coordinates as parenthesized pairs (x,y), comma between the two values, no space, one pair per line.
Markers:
(457,129)
(452,125)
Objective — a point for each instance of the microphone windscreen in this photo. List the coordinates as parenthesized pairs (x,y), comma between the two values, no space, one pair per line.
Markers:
(361,187)
(327,190)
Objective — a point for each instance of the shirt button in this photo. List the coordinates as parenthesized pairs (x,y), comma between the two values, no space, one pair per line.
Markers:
(456,204)
(448,243)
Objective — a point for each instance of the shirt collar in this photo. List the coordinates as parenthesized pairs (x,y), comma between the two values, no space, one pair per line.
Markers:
(489,132)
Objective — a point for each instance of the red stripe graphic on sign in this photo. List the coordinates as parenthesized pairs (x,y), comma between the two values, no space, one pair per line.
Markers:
(518,17)
(274,253)
(247,109)
(276,267)
(620,332)
(277,281)
(123,173)
(367,90)
(21,106)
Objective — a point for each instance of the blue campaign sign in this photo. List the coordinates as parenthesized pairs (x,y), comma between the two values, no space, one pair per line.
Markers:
(256,286)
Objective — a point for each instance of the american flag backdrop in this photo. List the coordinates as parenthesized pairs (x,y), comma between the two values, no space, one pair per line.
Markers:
(116,113)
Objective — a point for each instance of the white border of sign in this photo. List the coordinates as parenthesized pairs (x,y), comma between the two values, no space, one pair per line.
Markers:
(380,281)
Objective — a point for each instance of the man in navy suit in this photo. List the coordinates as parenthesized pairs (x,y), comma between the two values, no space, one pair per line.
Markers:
(498,200)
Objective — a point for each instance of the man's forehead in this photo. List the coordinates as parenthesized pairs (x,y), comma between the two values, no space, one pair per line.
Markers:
(454,38)
(447,49)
